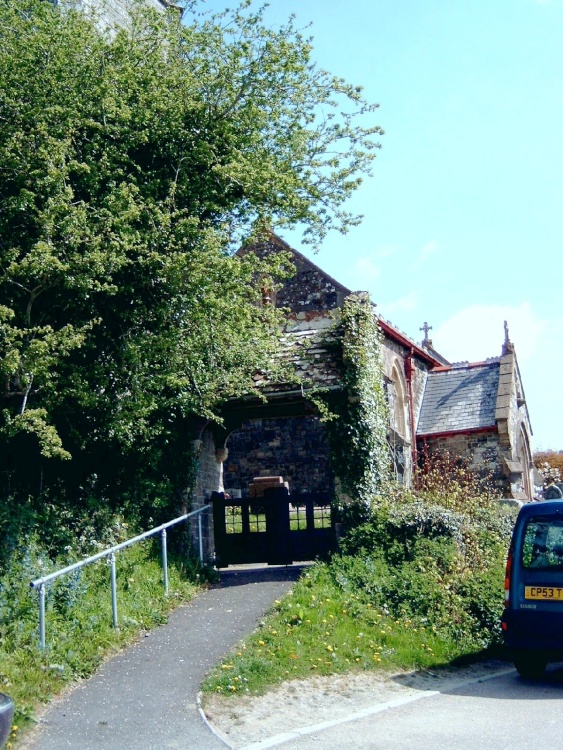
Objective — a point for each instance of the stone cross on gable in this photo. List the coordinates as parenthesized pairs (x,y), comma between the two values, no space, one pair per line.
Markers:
(426,328)
(508,346)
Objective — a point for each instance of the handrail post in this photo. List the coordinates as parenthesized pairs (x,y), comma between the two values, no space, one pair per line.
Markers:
(42,616)
(164,561)
(109,554)
(113,589)
(200,537)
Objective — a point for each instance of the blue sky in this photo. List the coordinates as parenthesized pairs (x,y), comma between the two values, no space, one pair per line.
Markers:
(463,222)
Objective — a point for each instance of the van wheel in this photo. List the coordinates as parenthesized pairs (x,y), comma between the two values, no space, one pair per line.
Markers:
(529,664)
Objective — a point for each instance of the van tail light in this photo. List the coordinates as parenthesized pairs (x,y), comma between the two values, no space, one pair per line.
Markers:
(507,577)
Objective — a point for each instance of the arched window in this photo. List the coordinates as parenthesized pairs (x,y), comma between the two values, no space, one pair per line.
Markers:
(397,402)
(399,433)
(525,456)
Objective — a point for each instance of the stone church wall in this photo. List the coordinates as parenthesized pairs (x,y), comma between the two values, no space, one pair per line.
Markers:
(480,449)
(292,447)
(209,479)
(393,351)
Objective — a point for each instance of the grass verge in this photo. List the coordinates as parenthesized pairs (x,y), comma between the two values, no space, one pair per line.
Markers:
(320,629)
(417,585)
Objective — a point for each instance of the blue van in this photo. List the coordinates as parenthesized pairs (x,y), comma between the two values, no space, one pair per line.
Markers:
(532,622)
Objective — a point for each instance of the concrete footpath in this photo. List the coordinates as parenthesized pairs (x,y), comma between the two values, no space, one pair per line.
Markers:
(145,697)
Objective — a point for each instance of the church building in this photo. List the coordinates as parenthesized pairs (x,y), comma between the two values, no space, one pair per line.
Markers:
(476,410)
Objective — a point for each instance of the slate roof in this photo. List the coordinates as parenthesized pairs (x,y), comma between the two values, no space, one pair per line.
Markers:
(459,398)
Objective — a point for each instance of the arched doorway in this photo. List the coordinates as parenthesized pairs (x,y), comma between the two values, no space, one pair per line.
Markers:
(277,506)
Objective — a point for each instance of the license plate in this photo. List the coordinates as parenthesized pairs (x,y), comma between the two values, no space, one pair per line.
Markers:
(543,592)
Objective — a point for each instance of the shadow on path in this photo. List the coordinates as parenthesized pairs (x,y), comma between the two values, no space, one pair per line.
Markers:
(243,575)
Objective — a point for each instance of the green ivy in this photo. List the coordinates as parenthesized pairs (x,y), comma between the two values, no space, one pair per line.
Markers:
(358,432)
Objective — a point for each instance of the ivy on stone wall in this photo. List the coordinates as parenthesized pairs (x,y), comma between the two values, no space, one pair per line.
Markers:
(357,433)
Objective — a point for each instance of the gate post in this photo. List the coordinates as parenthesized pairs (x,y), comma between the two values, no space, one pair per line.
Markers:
(219,531)
(277,525)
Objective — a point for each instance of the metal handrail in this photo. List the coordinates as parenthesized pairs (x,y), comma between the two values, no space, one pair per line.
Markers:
(39,583)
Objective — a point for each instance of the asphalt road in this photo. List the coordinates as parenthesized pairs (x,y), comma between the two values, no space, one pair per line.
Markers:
(502,713)
(145,698)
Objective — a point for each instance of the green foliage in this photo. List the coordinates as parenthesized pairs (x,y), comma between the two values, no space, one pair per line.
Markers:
(358,434)
(331,624)
(429,568)
(448,480)
(550,465)
(132,162)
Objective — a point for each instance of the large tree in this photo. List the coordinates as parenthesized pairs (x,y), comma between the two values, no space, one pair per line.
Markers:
(132,161)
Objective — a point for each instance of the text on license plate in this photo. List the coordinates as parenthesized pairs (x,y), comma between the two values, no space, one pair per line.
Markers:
(543,592)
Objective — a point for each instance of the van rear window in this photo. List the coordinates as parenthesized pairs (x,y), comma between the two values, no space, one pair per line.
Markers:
(543,543)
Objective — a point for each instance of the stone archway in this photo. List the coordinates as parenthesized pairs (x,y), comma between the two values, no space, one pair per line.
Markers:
(293,447)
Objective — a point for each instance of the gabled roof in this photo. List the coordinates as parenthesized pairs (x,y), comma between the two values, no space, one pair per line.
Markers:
(327,293)
(306,261)
(460,398)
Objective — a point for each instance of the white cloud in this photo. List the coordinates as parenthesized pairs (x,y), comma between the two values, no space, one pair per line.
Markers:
(386,251)
(366,270)
(406,303)
(425,252)
(362,274)
(477,332)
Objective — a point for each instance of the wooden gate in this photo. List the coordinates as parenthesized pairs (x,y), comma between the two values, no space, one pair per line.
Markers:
(277,528)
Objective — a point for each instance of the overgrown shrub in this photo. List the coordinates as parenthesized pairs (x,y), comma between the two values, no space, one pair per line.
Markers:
(437,553)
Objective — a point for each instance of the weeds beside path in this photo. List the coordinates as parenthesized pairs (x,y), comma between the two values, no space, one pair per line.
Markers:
(79,629)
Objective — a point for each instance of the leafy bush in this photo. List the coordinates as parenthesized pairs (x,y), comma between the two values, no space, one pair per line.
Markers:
(437,553)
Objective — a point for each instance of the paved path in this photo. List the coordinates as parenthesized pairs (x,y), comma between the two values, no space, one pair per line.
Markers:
(145,698)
